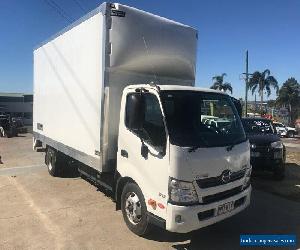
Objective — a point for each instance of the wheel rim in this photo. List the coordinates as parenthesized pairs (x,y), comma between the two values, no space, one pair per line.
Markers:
(133,208)
(50,166)
(50,161)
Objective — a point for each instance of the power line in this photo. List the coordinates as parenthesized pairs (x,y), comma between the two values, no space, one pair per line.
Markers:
(79,5)
(59,10)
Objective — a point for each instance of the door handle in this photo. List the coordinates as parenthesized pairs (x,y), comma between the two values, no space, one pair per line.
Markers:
(124,153)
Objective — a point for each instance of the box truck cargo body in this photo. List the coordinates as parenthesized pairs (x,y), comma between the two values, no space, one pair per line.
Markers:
(83,71)
(104,92)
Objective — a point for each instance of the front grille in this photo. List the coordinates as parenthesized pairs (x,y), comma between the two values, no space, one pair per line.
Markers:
(216,181)
(220,196)
(262,149)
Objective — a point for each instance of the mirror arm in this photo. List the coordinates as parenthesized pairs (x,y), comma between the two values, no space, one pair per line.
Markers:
(144,149)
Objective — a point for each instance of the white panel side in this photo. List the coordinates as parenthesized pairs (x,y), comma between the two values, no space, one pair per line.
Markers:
(68,79)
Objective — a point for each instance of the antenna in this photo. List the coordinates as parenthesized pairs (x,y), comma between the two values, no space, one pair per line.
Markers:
(153,84)
(148,54)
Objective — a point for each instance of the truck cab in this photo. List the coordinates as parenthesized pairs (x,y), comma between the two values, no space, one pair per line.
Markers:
(188,174)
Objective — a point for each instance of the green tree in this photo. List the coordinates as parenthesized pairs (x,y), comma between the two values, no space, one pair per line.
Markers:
(219,83)
(289,95)
(262,81)
(272,103)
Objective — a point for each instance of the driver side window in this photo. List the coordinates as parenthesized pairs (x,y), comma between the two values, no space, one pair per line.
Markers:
(152,128)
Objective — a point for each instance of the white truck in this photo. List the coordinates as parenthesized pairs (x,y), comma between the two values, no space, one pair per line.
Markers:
(115,94)
(283,130)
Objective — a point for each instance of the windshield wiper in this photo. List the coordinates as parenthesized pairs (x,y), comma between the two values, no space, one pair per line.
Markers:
(194,148)
(230,147)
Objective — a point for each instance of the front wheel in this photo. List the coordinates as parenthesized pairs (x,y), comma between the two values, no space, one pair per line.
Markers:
(134,209)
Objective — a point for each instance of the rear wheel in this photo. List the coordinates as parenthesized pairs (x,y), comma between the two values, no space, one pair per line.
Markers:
(134,209)
(54,161)
(290,134)
(2,133)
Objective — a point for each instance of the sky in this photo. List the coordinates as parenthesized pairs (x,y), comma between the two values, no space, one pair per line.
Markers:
(268,29)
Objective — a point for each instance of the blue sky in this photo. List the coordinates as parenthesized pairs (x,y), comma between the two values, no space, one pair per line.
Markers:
(269,29)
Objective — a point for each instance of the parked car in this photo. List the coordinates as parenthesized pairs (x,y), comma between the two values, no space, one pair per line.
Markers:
(6,127)
(18,123)
(216,122)
(283,130)
(297,126)
(266,148)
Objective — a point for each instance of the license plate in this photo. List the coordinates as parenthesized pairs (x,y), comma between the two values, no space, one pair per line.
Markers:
(255,154)
(225,208)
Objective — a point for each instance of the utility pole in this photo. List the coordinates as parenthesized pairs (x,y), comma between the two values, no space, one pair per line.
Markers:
(246,83)
(255,104)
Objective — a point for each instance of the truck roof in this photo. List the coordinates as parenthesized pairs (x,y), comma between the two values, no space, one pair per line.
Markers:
(101,8)
(190,88)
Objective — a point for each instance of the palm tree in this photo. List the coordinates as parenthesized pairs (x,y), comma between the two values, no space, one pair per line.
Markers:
(219,83)
(262,81)
(289,94)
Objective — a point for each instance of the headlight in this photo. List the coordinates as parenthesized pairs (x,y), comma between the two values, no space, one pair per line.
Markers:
(277,144)
(182,192)
(247,177)
(252,146)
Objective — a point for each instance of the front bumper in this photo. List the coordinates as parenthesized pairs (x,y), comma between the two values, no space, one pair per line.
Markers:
(283,133)
(267,159)
(190,214)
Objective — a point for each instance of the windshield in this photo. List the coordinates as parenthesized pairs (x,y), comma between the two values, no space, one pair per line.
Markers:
(258,126)
(201,119)
(278,125)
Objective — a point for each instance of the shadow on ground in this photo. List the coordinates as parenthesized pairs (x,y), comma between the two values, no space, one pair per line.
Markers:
(267,214)
(288,188)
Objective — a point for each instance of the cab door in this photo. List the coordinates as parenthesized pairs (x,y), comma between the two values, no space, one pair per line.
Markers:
(143,154)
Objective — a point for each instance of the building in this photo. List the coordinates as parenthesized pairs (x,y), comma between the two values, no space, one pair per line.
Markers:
(256,105)
(17,105)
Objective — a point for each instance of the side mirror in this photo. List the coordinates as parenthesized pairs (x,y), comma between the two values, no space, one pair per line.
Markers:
(135,111)
(238,106)
(144,151)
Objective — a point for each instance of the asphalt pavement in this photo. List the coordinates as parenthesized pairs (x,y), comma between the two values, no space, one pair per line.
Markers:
(292,144)
(58,203)
(38,211)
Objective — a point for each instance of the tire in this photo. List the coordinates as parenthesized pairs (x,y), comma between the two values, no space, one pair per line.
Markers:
(8,134)
(54,161)
(134,209)
(2,133)
(290,134)
(279,173)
